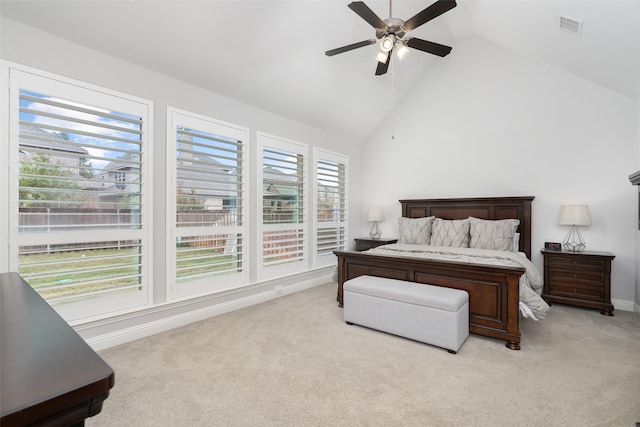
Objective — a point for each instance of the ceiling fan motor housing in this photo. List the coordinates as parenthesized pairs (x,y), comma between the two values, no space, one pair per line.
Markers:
(394,26)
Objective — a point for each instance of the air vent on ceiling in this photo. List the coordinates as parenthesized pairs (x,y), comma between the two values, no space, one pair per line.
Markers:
(572,25)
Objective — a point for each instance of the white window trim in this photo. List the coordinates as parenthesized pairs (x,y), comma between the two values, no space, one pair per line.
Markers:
(177,117)
(271,272)
(6,166)
(21,76)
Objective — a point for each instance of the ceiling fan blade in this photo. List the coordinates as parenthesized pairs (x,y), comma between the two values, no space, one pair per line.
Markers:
(382,68)
(349,47)
(367,14)
(433,11)
(429,47)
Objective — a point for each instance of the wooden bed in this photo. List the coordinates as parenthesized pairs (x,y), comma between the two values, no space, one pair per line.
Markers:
(493,290)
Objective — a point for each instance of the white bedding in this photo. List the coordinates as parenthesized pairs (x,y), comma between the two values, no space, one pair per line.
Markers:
(531,303)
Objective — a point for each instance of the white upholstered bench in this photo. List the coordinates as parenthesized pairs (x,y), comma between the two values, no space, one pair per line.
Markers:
(425,313)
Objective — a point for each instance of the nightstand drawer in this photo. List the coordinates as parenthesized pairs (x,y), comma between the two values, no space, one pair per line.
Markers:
(364,245)
(574,262)
(576,276)
(568,290)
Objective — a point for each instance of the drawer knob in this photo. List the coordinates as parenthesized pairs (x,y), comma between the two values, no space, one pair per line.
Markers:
(575,276)
(574,290)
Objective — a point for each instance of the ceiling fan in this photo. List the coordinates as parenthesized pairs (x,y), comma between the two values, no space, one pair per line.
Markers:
(392,33)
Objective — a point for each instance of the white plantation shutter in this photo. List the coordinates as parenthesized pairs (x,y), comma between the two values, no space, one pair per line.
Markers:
(81,194)
(283,190)
(209,203)
(330,189)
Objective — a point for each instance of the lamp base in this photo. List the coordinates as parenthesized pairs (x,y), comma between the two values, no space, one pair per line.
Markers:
(574,242)
(375,232)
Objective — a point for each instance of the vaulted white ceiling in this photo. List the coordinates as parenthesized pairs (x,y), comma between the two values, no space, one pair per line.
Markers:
(270,54)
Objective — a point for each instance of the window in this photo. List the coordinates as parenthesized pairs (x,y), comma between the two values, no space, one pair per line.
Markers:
(209,234)
(119,180)
(283,190)
(78,238)
(330,225)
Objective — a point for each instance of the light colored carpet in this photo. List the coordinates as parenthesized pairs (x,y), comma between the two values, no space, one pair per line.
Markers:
(294,362)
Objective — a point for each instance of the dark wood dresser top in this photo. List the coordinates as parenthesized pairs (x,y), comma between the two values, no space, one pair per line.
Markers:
(49,374)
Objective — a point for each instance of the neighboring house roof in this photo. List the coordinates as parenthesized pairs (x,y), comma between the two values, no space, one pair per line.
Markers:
(225,185)
(124,162)
(279,184)
(208,163)
(35,137)
(277,175)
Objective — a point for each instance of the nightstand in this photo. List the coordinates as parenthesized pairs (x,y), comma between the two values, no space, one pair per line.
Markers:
(366,243)
(578,278)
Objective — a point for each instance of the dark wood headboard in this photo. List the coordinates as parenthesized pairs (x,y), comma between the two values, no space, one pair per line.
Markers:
(479,207)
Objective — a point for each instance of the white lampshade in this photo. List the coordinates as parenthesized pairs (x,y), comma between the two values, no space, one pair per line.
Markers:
(375,214)
(382,57)
(402,51)
(574,215)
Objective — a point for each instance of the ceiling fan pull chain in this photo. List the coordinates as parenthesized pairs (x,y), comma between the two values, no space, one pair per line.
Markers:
(393,118)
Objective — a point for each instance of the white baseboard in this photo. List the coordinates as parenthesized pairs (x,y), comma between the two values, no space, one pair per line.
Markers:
(121,336)
(625,305)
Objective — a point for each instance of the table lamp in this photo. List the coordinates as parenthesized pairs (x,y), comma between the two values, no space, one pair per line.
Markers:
(574,215)
(375,215)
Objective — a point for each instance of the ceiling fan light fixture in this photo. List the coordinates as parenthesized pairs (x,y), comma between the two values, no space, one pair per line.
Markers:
(402,51)
(382,56)
(386,44)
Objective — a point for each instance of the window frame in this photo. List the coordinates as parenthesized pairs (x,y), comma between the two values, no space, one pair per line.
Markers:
(208,284)
(49,84)
(302,264)
(319,154)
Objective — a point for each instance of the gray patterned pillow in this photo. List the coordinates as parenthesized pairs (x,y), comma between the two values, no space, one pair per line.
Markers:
(415,230)
(497,234)
(453,233)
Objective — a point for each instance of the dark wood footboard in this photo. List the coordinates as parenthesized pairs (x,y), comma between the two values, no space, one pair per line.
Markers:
(493,290)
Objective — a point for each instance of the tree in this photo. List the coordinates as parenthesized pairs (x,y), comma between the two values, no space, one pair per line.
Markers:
(41,181)
(86,168)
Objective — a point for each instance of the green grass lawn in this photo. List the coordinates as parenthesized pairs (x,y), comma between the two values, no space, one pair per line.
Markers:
(70,275)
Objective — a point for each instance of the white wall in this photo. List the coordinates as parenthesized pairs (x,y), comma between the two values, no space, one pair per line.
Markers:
(488,122)
(28,46)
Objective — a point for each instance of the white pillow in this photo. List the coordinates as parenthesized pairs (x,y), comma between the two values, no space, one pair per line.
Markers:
(493,234)
(452,232)
(516,242)
(415,230)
